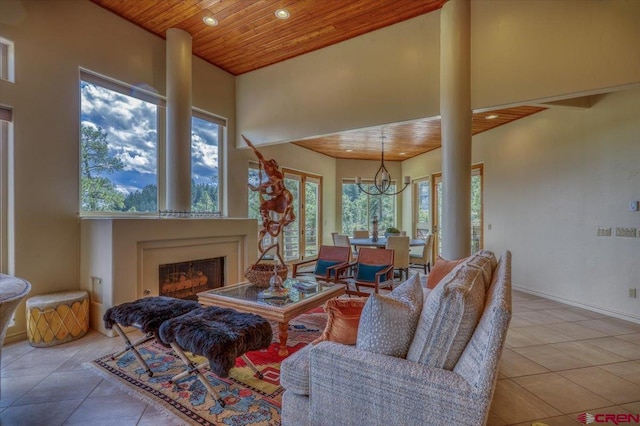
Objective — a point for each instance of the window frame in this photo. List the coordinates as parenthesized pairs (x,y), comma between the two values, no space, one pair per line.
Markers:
(160,101)
(381,230)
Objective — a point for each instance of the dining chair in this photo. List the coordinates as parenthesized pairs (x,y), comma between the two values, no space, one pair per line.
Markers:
(342,240)
(423,260)
(373,268)
(359,233)
(400,246)
(329,258)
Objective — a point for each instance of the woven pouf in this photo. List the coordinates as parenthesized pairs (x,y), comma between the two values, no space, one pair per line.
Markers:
(57,318)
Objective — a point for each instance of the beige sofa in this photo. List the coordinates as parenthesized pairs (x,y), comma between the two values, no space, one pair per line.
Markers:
(447,378)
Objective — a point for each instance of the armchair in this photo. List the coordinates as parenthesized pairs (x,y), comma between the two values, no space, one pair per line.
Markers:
(372,268)
(328,260)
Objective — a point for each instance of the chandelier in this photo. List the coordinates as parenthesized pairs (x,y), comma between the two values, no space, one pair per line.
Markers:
(382,179)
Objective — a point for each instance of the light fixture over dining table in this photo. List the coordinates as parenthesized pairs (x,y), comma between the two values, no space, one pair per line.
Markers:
(382,183)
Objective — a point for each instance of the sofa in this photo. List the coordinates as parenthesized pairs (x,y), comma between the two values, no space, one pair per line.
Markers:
(447,376)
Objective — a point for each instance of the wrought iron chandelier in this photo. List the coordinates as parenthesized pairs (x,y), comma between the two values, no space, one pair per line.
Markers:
(382,180)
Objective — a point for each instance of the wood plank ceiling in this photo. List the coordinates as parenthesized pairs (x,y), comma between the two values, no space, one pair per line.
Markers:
(249,36)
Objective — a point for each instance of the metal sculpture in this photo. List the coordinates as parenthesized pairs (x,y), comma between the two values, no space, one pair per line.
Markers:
(276,202)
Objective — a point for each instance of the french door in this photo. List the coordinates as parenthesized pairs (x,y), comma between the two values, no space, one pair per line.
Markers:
(301,238)
(476,210)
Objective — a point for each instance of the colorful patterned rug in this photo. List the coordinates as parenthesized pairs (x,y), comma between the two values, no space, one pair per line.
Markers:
(248,400)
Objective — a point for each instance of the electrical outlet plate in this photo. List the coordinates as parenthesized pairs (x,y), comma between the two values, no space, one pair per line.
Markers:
(632,293)
(602,231)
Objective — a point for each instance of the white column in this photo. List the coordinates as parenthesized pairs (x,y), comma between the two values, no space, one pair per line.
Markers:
(178,146)
(455,110)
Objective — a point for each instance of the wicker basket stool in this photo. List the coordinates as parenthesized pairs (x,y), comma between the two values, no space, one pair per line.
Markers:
(57,318)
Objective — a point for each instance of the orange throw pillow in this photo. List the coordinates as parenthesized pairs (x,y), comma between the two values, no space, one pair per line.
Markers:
(343,318)
(441,269)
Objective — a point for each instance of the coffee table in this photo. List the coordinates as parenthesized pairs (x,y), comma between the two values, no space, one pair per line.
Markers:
(244,297)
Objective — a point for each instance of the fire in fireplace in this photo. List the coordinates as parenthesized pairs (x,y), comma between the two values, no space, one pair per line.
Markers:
(184,280)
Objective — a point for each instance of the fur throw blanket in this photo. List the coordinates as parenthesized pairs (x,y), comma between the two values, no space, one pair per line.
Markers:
(219,334)
(148,313)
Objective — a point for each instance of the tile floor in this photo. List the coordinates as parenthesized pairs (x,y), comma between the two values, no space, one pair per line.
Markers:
(559,361)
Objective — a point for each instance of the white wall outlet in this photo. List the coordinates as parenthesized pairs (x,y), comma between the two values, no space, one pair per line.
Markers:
(625,232)
(602,231)
(632,293)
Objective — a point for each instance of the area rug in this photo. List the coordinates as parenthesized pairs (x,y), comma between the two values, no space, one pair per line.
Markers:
(248,400)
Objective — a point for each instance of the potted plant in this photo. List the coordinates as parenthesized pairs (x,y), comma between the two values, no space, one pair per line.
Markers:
(392,232)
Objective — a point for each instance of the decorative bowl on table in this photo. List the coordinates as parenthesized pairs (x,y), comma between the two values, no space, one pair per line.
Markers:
(259,274)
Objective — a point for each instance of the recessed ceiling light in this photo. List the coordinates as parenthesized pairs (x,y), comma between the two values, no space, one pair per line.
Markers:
(210,20)
(403,153)
(282,14)
(349,150)
(491,117)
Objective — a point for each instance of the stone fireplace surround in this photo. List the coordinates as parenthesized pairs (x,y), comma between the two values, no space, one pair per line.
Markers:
(120,256)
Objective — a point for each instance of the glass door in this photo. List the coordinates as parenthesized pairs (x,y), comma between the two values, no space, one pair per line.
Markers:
(301,238)
(476,210)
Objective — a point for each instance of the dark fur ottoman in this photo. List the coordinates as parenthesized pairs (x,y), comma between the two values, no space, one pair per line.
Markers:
(148,313)
(219,334)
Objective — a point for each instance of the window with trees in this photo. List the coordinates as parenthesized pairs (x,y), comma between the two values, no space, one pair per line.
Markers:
(301,238)
(422,204)
(359,208)
(6,216)
(119,149)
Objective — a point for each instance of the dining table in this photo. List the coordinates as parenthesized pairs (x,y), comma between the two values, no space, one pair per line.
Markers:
(382,242)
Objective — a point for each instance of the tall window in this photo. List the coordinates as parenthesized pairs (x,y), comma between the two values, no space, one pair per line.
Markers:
(297,241)
(359,208)
(119,148)
(205,171)
(422,204)
(6,214)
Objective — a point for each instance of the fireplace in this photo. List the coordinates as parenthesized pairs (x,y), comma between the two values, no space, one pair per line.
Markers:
(121,257)
(184,280)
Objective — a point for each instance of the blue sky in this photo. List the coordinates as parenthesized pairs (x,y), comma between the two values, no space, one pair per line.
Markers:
(131,127)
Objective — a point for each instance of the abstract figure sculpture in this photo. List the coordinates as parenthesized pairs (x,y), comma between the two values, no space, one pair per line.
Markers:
(276,202)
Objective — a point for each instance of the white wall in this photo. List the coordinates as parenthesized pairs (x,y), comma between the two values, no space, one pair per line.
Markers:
(549,181)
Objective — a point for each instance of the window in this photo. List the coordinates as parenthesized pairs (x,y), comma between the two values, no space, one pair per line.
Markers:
(358,209)
(205,137)
(422,204)
(297,242)
(477,172)
(118,148)
(6,172)
(120,143)
(6,60)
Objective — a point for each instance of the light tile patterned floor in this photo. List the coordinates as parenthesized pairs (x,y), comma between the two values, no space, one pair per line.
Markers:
(559,361)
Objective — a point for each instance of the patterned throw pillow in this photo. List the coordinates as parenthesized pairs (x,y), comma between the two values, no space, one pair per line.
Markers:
(322,265)
(368,272)
(387,323)
(343,317)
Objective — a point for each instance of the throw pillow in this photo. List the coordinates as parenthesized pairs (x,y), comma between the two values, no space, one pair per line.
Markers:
(343,316)
(368,272)
(322,265)
(388,322)
(449,318)
(441,269)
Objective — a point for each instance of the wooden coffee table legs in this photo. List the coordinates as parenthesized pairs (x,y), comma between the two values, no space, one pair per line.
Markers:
(283,334)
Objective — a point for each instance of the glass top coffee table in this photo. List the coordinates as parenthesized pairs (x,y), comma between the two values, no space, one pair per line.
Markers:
(245,297)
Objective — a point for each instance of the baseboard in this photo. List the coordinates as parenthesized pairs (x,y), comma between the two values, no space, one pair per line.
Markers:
(15,337)
(624,316)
